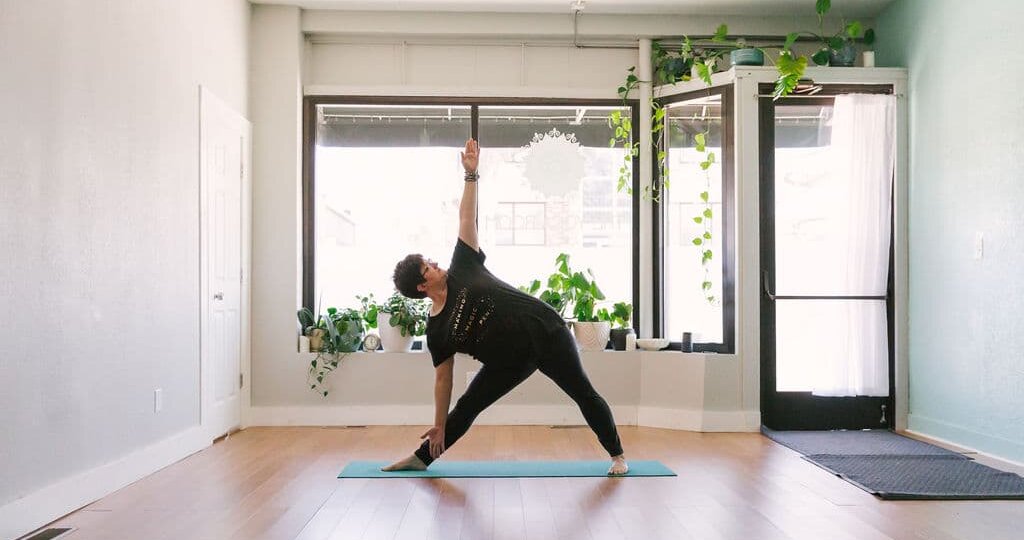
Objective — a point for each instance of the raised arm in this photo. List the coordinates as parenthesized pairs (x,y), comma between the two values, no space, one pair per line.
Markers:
(467,208)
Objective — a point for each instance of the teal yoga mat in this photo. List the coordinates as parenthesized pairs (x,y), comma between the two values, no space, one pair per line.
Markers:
(504,469)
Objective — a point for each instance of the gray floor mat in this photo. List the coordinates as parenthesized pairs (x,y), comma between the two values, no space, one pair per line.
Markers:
(855,443)
(892,466)
(923,477)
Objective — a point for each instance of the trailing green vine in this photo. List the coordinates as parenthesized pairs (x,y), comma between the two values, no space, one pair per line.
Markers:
(705,217)
(700,58)
(623,136)
(320,367)
(340,333)
(623,126)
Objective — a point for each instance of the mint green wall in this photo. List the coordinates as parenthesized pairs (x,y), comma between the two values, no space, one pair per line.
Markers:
(966,177)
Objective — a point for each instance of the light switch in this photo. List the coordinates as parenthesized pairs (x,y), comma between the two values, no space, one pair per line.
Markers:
(979,245)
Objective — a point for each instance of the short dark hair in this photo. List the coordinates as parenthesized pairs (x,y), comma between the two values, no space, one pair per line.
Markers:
(408,275)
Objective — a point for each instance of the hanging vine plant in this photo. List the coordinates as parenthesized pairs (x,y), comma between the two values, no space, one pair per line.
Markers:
(704,240)
(339,332)
(699,58)
(670,67)
(623,136)
(623,126)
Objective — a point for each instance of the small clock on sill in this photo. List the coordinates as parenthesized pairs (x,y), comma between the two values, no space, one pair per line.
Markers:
(371,342)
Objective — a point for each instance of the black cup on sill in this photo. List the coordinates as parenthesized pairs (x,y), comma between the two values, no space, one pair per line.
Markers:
(618,336)
(687,344)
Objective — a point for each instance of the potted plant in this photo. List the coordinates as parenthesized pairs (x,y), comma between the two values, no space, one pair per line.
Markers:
(578,293)
(705,55)
(369,310)
(399,320)
(313,327)
(840,49)
(695,59)
(338,333)
(590,326)
(344,330)
(621,316)
(837,49)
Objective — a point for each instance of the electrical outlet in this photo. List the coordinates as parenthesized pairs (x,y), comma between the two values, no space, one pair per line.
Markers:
(158,400)
(979,245)
(469,377)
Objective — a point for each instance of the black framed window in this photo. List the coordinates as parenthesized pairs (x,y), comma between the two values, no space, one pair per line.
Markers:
(694,240)
(382,179)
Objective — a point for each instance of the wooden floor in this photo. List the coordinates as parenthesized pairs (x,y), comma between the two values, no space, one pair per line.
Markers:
(280,483)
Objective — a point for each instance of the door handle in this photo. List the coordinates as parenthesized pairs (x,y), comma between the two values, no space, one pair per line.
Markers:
(218,296)
(767,290)
(773,297)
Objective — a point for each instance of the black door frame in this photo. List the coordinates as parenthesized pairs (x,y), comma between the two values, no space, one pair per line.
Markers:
(801,410)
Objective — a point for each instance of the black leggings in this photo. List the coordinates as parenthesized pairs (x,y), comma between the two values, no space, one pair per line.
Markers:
(561,363)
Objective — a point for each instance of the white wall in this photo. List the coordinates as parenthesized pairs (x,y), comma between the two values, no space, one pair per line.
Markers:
(693,391)
(99,225)
(966,158)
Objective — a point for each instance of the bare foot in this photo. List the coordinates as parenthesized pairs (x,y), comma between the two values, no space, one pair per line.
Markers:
(619,466)
(411,463)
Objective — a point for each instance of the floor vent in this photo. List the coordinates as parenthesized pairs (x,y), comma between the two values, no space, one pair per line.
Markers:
(48,534)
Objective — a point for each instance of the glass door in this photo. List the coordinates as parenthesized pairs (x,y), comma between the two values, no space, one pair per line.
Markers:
(826,259)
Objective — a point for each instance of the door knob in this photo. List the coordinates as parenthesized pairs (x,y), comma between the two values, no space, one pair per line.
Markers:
(218,296)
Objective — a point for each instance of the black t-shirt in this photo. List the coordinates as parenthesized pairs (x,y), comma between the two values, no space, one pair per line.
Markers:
(487,318)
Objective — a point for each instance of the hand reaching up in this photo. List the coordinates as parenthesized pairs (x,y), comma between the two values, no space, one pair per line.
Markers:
(470,156)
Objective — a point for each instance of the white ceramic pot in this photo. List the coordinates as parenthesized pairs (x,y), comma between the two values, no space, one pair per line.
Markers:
(591,336)
(391,338)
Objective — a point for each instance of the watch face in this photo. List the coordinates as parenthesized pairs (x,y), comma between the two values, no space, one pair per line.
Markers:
(371,342)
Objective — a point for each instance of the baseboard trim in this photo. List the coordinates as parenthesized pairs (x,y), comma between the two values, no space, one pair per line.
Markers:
(37,509)
(994,447)
(556,415)
(404,415)
(660,417)
(699,420)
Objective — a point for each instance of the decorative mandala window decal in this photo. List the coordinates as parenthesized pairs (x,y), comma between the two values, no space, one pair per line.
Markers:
(554,163)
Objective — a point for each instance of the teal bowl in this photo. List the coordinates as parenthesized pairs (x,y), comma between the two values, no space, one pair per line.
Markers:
(747,57)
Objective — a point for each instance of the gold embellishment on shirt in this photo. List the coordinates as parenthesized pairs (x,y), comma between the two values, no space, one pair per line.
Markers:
(469,318)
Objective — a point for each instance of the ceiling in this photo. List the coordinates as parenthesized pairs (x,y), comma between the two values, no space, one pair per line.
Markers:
(847,8)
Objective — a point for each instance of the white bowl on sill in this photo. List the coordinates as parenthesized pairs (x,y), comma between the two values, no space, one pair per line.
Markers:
(652,344)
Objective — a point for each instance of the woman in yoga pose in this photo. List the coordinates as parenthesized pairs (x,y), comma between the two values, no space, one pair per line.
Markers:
(510,332)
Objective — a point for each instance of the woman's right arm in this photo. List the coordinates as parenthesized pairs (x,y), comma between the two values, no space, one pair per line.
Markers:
(442,399)
(443,390)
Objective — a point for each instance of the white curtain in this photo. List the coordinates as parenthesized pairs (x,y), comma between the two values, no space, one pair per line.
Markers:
(854,362)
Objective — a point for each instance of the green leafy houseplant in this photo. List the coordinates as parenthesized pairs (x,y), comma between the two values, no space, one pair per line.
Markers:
(790,68)
(568,290)
(577,293)
(369,310)
(838,48)
(406,314)
(344,333)
(620,317)
(670,67)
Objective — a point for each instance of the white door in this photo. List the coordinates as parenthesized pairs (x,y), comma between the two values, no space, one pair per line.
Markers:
(223,152)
